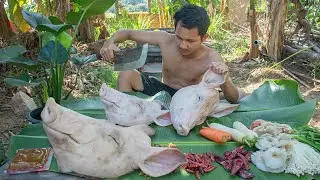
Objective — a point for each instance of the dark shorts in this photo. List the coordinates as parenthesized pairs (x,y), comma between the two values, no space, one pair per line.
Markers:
(151,85)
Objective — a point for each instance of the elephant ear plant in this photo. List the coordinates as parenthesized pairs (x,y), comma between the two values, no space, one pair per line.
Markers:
(55,49)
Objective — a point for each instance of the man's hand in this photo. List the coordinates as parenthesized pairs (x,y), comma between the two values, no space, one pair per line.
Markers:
(107,51)
(219,67)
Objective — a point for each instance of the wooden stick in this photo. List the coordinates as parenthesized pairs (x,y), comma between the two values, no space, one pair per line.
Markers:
(296,78)
(307,77)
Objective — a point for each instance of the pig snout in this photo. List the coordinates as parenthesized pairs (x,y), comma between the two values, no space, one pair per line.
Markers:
(50,111)
(182,130)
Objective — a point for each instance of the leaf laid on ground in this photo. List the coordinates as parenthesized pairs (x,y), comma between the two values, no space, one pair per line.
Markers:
(275,100)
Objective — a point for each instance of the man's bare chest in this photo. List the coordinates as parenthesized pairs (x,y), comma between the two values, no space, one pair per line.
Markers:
(189,71)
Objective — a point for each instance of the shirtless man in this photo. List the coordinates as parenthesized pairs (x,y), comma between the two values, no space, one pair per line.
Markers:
(184,58)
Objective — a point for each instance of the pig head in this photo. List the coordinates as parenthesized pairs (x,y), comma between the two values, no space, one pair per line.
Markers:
(128,110)
(97,148)
(191,105)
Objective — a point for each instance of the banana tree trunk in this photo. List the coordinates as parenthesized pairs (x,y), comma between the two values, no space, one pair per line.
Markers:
(86,31)
(62,7)
(275,32)
(5,28)
(254,50)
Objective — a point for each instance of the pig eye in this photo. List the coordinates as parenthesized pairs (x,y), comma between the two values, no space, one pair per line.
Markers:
(48,110)
(199,98)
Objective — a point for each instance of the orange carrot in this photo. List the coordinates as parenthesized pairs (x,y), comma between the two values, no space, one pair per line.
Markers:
(215,135)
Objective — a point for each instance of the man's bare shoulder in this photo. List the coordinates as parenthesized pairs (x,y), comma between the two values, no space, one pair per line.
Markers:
(214,55)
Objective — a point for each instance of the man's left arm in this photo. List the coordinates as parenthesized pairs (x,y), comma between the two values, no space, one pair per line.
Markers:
(230,91)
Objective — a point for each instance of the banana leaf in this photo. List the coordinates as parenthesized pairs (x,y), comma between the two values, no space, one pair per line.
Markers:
(33,136)
(87,9)
(16,14)
(30,140)
(275,100)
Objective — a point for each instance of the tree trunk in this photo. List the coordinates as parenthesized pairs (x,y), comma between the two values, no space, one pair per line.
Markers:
(86,31)
(254,47)
(277,12)
(5,28)
(62,7)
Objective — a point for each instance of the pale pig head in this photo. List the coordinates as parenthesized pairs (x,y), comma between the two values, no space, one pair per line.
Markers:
(100,149)
(191,105)
(128,110)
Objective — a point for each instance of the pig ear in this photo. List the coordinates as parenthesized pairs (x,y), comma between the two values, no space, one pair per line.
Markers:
(164,119)
(212,79)
(162,161)
(223,109)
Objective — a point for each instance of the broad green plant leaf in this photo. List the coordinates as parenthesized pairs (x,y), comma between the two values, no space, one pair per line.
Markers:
(64,38)
(275,100)
(55,29)
(23,80)
(13,55)
(89,8)
(34,19)
(15,11)
(33,136)
(54,53)
(55,20)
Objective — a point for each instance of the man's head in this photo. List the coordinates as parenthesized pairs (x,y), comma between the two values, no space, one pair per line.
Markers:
(191,25)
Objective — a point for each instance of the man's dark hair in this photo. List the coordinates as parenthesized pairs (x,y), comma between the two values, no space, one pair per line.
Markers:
(192,16)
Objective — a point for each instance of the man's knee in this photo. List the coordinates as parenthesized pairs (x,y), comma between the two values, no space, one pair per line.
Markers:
(129,80)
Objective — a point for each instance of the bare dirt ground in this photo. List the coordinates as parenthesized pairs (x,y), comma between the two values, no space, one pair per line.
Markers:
(248,76)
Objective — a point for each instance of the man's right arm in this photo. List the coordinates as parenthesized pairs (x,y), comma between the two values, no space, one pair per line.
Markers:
(151,37)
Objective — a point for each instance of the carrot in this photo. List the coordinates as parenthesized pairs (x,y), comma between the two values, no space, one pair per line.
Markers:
(215,135)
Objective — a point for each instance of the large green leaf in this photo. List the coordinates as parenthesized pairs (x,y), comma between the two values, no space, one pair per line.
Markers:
(16,14)
(54,53)
(23,80)
(34,19)
(55,29)
(89,8)
(55,20)
(33,136)
(64,38)
(275,100)
(13,54)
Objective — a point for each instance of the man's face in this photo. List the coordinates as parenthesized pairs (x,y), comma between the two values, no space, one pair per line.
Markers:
(188,40)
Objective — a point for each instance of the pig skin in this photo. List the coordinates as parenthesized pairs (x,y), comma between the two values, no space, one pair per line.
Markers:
(127,110)
(191,105)
(97,148)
